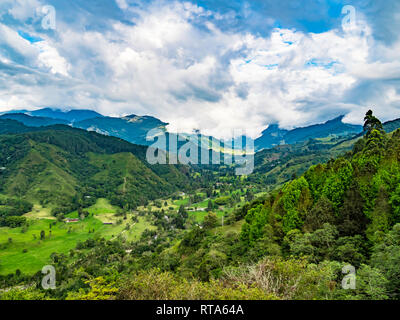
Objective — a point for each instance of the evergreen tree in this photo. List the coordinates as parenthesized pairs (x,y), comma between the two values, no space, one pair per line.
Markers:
(209,205)
(372,123)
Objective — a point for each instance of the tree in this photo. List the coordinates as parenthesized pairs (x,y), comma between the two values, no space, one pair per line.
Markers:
(209,205)
(324,241)
(42,235)
(395,203)
(210,220)
(350,250)
(295,200)
(321,213)
(372,123)
(182,212)
(100,289)
(338,182)
(249,195)
(371,284)
(352,220)
(386,257)
(256,220)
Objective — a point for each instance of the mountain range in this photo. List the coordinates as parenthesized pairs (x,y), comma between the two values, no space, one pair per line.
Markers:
(70,116)
(274,136)
(134,128)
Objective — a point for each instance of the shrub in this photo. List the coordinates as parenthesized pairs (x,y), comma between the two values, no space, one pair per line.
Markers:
(157,285)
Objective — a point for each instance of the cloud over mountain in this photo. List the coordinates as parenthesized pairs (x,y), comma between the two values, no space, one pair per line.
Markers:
(214,66)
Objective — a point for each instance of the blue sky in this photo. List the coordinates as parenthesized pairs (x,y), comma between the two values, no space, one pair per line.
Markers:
(209,65)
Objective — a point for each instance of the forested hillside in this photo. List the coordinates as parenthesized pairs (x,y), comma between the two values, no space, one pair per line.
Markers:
(276,166)
(60,167)
(345,210)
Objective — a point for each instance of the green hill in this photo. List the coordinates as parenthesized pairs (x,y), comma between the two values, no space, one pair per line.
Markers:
(367,178)
(391,126)
(59,166)
(344,210)
(278,165)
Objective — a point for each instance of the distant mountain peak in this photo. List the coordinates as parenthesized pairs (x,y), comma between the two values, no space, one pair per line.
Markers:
(73,115)
(274,127)
(337,119)
(140,119)
(131,116)
(33,121)
(273,135)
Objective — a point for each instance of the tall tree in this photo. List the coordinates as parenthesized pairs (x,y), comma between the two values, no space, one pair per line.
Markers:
(352,220)
(372,123)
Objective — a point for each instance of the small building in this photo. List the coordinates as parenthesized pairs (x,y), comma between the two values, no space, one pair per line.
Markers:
(108,223)
(71,220)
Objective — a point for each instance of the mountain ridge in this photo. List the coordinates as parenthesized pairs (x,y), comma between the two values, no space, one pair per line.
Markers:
(273,135)
(71,116)
(134,128)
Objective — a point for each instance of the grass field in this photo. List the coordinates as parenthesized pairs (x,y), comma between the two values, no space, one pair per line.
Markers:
(21,248)
(236,227)
(26,252)
(63,238)
(38,212)
(198,216)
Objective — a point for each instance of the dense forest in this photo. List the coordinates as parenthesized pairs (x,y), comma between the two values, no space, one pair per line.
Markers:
(291,243)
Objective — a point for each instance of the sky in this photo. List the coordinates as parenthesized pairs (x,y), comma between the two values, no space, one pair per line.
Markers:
(217,66)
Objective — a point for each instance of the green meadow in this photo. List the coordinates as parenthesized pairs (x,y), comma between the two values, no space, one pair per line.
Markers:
(22,248)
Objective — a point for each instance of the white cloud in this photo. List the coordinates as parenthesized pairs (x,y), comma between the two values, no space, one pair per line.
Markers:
(49,57)
(173,63)
(23,9)
(122,4)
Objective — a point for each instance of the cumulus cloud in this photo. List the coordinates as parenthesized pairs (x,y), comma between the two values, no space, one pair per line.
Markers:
(193,67)
(122,4)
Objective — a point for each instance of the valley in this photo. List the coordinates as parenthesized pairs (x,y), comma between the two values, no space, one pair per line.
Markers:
(92,206)
(101,220)
(180,158)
